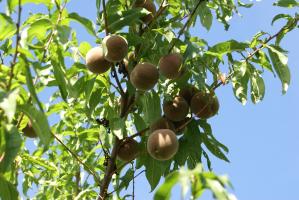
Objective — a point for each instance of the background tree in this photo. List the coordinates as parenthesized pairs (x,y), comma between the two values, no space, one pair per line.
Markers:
(100,115)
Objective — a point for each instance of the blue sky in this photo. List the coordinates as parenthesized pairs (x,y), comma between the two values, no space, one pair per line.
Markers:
(262,138)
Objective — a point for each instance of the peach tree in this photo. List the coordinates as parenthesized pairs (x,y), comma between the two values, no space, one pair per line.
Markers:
(82,121)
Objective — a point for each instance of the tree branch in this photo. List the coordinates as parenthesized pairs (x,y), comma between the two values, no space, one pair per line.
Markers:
(115,75)
(140,133)
(109,170)
(14,61)
(105,17)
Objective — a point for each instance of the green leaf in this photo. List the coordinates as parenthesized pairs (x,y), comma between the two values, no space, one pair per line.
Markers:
(38,30)
(164,191)
(154,169)
(219,50)
(280,16)
(246,5)
(139,122)
(286,3)
(84,48)
(7,190)
(57,61)
(263,60)
(190,146)
(213,148)
(2,143)
(257,87)
(39,122)
(8,103)
(240,82)
(13,144)
(125,18)
(88,25)
(7,27)
(64,33)
(30,84)
(256,39)
(126,179)
(279,61)
(151,107)
(118,127)
(206,17)
(13,3)
(40,162)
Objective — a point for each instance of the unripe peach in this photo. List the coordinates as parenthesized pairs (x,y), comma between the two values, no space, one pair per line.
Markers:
(162,144)
(96,62)
(115,48)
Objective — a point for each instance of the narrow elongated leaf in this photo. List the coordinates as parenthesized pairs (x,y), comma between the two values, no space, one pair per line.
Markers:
(13,3)
(88,25)
(206,17)
(40,162)
(7,190)
(13,143)
(151,107)
(279,61)
(257,87)
(125,18)
(286,3)
(38,30)
(263,60)
(7,27)
(57,62)
(246,5)
(240,83)
(118,127)
(154,169)
(219,50)
(30,85)
(2,143)
(39,122)
(164,191)
(280,16)
(213,148)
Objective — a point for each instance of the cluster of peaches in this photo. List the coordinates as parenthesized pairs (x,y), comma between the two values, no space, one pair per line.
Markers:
(162,142)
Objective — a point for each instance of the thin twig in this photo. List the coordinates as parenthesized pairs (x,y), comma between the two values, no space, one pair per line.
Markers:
(186,24)
(122,93)
(113,85)
(133,178)
(1,59)
(270,38)
(140,133)
(87,168)
(14,61)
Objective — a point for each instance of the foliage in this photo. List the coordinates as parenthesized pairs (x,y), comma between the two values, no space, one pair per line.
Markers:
(79,126)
